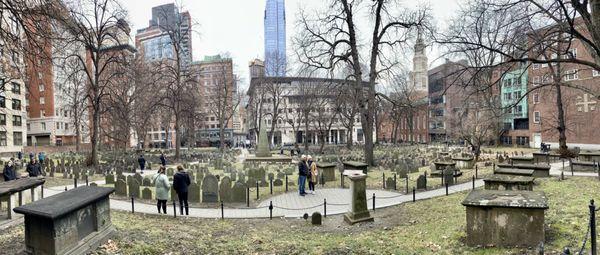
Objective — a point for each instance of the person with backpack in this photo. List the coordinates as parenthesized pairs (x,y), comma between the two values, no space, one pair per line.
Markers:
(181,182)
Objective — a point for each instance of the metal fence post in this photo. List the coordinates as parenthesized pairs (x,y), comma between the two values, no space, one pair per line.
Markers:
(373,201)
(87,183)
(271,187)
(446,188)
(222,211)
(325,207)
(270,210)
(132,209)
(75,182)
(406,184)
(395,183)
(476,170)
(257,196)
(383,180)
(473,182)
(593,227)
(571,165)
(174,209)
(286,183)
(414,195)
(247,195)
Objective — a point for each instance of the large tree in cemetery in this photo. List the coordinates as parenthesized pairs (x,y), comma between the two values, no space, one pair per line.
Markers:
(275,91)
(531,32)
(331,38)
(179,81)
(325,113)
(223,98)
(100,29)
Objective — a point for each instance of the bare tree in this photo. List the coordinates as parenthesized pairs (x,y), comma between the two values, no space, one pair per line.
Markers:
(331,39)
(100,28)
(530,32)
(223,97)
(324,111)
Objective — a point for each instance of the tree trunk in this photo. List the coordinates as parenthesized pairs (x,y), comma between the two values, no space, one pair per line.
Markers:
(349,136)
(93,160)
(177,139)
(562,136)
(221,137)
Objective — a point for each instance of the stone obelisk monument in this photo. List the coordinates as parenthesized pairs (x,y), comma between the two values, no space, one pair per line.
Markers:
(262,150)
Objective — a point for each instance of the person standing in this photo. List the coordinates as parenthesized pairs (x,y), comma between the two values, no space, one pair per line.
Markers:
(302,172)
(163,160)
(9,171)
(20,155)
(33,168)
(312,168)
(181,181)
(161,183)
(142,162)
(41,158)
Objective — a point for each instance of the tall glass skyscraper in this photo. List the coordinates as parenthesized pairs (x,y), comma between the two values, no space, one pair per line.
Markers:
(275,58)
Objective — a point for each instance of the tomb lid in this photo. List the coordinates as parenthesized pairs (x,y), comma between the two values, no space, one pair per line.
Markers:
(525,166)
(521,157)
(509,178)
(325,165)
(462,158)
(590,153)
(65,202)
(355,163)
(17,185)
(585,163)
(515,171)
(444,163)
(507,198)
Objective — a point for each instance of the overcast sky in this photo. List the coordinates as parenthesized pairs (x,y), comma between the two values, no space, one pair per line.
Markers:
(236,26)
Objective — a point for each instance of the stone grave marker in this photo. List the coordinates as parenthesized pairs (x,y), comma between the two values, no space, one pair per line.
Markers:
(389,183)
(109,179)
(147,182)
(194,193)
(147,193)
(210,188)
(134,188)
(225,189)
(238,193)
(277,182)
(121,188)
(422,182)
(449,176)
(138,177)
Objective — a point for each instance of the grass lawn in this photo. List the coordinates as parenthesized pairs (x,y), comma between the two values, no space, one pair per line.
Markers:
(435,226)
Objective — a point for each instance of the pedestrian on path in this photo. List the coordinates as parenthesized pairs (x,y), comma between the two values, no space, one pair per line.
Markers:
(142,162)
(163,160)
(302,173)
(181,181)
(313,173)
(161,183)
(9,171)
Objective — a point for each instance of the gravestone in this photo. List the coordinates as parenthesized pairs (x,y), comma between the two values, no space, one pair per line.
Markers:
(146,194)
(422,182)
(358,210)
(402,173)
(225,189)
(262,149)
(109,179)
(271,176)
(138,177)
(134,188)
(316,219)
(173,194)
(238,193)
(210,188)
(277,182)
(121,188)
(449,176)
(389,183)
(194,193)
(147,182)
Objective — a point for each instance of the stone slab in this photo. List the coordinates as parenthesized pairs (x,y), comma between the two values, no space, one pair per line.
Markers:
(507,199)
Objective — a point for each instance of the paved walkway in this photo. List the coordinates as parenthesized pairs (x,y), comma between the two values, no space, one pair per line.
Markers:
(292,205)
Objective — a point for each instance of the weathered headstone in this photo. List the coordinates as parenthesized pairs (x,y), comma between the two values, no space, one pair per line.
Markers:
(389,183)
(121,188)
(134,188)
(277,182)
(194,193)
(316,218)
(238,193)
(422,182)
(146,194)
(109,179)
(225,189)
(210,188)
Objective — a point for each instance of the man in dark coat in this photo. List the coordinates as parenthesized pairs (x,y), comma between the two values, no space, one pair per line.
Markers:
(302,173)
(9,171)
(34,169)
(181,181)
(142,162)
(163,160)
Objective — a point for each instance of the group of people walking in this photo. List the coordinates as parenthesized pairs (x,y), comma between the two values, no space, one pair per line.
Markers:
(307,170)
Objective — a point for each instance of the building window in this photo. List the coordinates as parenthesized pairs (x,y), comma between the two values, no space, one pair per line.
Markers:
(57,125)
(571,75)
(17,138)
(572,54)
(2,119)
(536,98)
(536,66)
(41,87)
(595,73)
(536,117)
(17,121)
(43,125)
(16,88)
(66,126)
(2,101)
(28,126)
(42,100)
(42,113)
(16,104)
(536,80)
(2,138)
